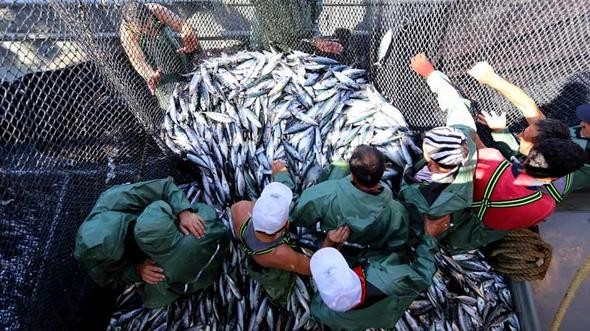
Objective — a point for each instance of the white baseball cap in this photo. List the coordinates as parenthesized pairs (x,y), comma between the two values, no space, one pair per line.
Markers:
(339,287)
(271,210)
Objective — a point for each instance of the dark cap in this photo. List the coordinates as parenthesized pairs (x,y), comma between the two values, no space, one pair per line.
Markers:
(583,112)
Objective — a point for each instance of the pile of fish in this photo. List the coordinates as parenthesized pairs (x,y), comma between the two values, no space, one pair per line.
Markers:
(240,112)
(466,294)
(233,117)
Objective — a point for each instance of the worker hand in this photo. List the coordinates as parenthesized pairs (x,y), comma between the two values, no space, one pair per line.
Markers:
(436,226)
(421,65)
(492,120)
(278,166)
(154,80)
(189,39)
(150,272)
(190,222)
(329,46)
(483,73)
(337,236)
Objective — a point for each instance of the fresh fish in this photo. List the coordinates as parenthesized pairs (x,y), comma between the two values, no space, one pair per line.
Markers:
(384,46)
(307,111)
(219,117)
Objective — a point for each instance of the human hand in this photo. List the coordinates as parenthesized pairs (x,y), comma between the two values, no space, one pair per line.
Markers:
(329,46)
(278,166)
(436,226)
(190,222)
(492,120)
(421,65)
(154,79)
(149,272)
(483,73)
(189,39)
(337,236)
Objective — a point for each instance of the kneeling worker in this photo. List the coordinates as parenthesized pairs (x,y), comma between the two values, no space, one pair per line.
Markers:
(376,293)
(149,231)
(261,229)
(353,199)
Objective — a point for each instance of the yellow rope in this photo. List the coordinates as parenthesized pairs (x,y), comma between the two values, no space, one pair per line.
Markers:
(572,289)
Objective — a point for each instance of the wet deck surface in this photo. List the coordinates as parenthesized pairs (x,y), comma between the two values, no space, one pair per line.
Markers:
(568,231)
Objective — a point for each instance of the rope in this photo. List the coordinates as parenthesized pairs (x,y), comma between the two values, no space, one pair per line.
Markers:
(521,254)
(572,289)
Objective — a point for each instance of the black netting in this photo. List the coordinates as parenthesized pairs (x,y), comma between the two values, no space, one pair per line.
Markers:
(76,117)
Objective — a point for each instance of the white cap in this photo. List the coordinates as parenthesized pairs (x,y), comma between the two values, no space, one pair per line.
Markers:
(339,287)
(271,210)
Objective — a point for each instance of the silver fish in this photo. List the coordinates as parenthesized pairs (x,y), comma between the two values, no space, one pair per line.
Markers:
(384,46)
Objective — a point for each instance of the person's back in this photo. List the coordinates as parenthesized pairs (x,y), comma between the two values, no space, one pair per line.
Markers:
(261,230)
(150,232)
(357,201)
(375,293)
(289,25)
(499,201)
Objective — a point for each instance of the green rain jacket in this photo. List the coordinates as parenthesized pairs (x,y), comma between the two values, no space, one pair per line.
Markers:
(160,52)
(508,145)
(375,221)
(400,280)
(581,177)
(437,200)
(135,221)
(285,24)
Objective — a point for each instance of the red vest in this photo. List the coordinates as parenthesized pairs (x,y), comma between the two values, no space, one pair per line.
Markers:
(499,202)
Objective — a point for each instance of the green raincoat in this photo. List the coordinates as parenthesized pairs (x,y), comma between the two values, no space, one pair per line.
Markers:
(580,177)
(393,275)
(132,222)
(376,221)
(285,24)
(437,200)
(160,52)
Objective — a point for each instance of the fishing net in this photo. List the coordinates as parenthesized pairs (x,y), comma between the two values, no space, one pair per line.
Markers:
(77,117)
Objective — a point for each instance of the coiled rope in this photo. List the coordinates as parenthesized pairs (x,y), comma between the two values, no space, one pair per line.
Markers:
(521,254)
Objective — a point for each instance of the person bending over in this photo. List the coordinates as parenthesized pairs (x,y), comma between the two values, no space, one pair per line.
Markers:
(376,293)
(290,25)
(149,233)
(147,36)
(261,227)
(352,198)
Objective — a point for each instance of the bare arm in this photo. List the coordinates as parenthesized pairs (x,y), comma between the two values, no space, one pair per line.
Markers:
(176,23)
(239,212)
(449,99)
(166,16)
(285,258)
(484,74)
(477,140)
(130,42)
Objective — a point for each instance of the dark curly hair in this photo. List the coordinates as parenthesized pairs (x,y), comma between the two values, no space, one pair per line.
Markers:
(554,158)
(551,128)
